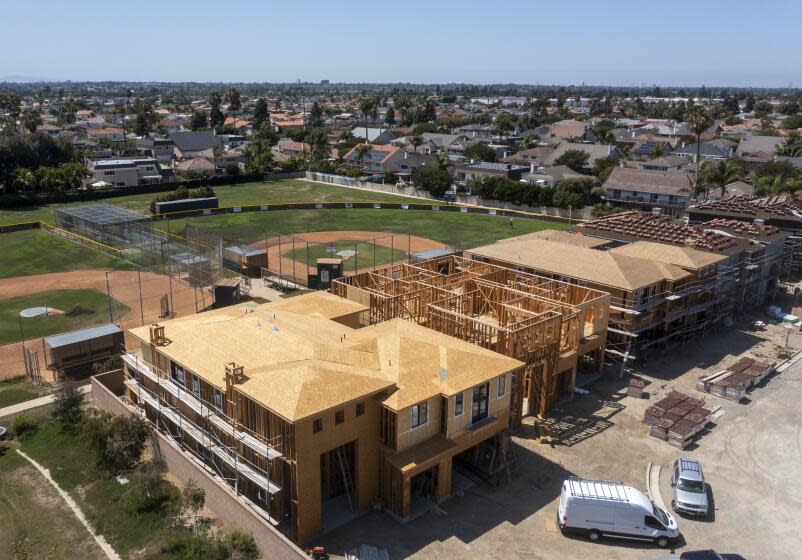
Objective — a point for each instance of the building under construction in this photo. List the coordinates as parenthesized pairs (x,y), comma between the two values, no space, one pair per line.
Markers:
(552,326)
(311,421)
(660,294)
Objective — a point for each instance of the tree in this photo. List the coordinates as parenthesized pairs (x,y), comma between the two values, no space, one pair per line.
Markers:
(361,152)
(721,174)
(389,117)
(435,179)
(144,117)
(199,120)
(315,116)
(67,405)
(602,167)
(479,152)
(216,117)
(11,103)
(193,499)
(368,106)
(750,102)
(234,100)
(792,146)
(233,170)
(260,113)
(575,159)
(318,142)
(31,119)
(505,123)
(118,441)
(698,122)
(789,108)
(793,122)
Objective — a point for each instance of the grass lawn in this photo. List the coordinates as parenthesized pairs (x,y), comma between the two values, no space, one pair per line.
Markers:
(451,228)
(354,254)
(72,465)
(262,192)
(37,252)
(81,307)
(17,390)
(29,504)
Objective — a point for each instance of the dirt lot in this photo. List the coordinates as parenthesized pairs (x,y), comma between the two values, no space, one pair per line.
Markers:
(752,459)
(141,292)
(277,249)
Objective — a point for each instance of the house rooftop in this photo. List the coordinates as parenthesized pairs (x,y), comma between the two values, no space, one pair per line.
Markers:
(685,257)
(597,267)
(643,180)
(299,363)
(561,236)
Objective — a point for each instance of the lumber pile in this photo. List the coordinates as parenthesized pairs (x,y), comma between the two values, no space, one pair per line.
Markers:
(677,418)
(733,382)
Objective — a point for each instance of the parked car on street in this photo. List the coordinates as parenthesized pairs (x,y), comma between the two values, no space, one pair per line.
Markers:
(690,490)
(600,508)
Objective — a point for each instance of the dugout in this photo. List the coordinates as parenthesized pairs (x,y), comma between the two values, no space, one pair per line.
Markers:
(185,204)
(327,270)
(226,292)
(245,260)
(74,353)
(107,224)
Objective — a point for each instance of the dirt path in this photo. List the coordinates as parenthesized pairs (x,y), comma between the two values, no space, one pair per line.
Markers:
(277,248)
(141,292)
(101,541)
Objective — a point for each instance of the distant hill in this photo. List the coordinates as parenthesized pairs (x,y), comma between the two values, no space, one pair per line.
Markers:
(22,79)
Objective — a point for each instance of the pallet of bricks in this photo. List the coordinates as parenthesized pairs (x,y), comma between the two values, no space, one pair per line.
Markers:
(733,382)
(677,418)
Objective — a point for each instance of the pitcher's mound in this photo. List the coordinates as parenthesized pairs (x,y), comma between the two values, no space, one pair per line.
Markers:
(39,311)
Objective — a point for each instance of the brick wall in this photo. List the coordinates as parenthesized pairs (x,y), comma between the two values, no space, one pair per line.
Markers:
(219,497)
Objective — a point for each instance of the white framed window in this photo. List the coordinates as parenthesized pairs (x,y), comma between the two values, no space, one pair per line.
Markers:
(195,386)
(419,415)
(459,404)
(502,386)
(218,399)
(108,172)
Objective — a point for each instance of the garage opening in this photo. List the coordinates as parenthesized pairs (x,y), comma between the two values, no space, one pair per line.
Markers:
(484,461)
(423,491)
(337,488)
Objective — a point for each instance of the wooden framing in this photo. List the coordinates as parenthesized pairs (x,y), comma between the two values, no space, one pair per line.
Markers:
(534,319)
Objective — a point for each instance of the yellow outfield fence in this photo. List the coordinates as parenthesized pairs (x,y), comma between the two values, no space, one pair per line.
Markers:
(81,239)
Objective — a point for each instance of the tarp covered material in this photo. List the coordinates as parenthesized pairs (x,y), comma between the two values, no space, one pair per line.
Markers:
(65,339)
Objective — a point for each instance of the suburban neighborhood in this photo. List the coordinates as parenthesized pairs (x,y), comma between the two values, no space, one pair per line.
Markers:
(426,305)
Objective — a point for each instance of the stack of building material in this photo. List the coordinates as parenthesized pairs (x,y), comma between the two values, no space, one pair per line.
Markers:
(635,387)
(677,418)
(733,382)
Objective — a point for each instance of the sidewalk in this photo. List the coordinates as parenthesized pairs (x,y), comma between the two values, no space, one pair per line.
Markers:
(35,403)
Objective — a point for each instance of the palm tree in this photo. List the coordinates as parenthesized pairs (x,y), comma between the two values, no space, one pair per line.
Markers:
(721,174)
(792,146)
(361,152)
(416,141)
(318,145)
(368,106)
(698,121)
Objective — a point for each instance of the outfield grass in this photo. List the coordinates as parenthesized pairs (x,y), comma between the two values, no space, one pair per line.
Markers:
(29,505)
(262,192)
(366,254)
(450,228)
(17,390)
(23,253)
(82,308)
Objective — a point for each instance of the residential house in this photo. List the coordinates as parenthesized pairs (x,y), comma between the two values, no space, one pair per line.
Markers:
(465,172)
(383,159)
(128,172)
(536,155)
(595,152)
(666,163)
(640,187)
(379,136)
(476,131)
(163,149)
(552,176)
(707,151)
(189,144)
(109,134)
(569,129)
(757,150)
(196,165)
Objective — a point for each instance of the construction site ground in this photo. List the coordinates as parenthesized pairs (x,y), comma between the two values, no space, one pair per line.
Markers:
(752,459)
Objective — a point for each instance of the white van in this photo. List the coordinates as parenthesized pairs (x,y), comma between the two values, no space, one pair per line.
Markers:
(599,508)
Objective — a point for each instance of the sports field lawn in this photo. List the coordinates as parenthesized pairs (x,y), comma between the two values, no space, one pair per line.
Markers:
(37,252)
(32,511)
(263,192)
(81,308)
(353,253)
(17,390)
(451,228)
(72,464)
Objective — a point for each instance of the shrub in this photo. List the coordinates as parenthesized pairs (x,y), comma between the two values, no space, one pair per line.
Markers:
(67,405)
(23,424)
(118,441)
(185,545)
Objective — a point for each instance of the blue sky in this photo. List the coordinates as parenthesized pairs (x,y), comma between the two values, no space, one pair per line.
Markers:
(608,42)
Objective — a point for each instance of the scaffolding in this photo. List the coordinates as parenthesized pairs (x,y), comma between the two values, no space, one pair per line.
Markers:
(534,319)
(221,444)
